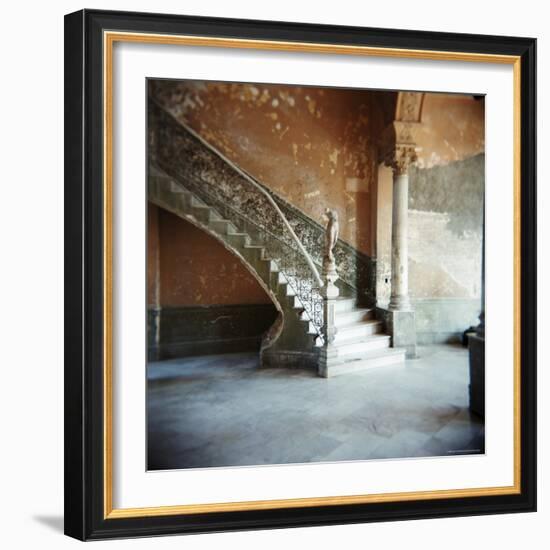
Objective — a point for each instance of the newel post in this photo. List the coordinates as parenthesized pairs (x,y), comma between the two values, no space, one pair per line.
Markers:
(330,292)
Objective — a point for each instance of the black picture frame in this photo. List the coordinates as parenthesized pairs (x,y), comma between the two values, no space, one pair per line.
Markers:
(85,517)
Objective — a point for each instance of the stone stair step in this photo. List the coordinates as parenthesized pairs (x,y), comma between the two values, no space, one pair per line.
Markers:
(220,226)
(238,239)
(232,228)
(202,213)
(344,304)
(273,266)
(254,251)
(274,280)
(303,314)
(309,327)
(345,318)
(357,330)
(215,216)
(363,345)
(262,269)
(289,289)
(198,203)
(176,188)
(365,362)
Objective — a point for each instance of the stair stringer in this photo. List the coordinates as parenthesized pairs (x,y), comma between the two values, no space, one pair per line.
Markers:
(288,342)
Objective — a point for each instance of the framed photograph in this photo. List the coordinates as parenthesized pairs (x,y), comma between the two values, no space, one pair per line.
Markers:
(300,274)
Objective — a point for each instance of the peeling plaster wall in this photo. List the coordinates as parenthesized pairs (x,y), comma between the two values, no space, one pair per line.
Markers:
(196,270)
(445,247)
(313,146)
(445,229)
(452,129)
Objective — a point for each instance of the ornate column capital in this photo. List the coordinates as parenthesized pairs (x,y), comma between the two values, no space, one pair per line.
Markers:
(401,157)
(398,145)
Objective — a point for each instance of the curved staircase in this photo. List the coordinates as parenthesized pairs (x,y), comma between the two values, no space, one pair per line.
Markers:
(296,336)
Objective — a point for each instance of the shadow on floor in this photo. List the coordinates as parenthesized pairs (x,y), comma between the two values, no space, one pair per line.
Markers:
(55,523)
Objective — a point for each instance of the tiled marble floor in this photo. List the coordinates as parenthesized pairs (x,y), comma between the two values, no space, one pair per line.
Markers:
(223,410)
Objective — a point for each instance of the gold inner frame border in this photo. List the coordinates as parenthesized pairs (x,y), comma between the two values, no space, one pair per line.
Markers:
(109,39)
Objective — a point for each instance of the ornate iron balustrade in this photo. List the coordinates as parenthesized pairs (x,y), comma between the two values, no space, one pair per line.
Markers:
(238,197)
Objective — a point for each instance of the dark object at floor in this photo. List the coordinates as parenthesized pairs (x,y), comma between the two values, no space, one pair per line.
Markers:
(466,334)
(477,374)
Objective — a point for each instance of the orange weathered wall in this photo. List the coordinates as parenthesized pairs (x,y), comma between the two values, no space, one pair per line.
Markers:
(452,129)
(194,269)
(316,147)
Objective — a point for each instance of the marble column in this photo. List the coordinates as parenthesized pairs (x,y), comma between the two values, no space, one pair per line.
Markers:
(401,319)
(400,159)
(399,299)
